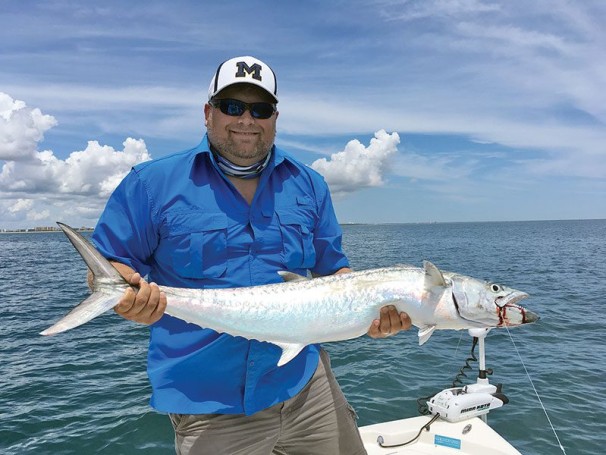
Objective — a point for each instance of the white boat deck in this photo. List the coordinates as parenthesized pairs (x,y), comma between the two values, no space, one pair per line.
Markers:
(473,437)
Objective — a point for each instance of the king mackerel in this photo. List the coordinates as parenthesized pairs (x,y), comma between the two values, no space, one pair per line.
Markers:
(332,308)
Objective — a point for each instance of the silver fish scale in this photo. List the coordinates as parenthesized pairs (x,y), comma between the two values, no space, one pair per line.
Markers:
(323,309)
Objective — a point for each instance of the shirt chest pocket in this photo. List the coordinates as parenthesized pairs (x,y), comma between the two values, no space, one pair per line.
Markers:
(197,244)
(298,250)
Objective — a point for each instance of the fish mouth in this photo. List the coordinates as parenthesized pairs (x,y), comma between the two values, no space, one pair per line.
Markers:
(510,299)
(511,314)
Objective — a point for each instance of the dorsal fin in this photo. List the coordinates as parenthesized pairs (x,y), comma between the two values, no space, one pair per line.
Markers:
(291,277)
(433,276)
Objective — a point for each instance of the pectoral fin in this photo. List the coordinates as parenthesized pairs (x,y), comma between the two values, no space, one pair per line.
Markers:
(290,276)
(425,333)
(289,352)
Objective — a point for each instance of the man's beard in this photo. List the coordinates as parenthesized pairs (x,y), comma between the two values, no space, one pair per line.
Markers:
(228,149)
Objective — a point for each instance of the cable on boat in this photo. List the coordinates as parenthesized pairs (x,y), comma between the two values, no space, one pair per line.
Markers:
(535,391)
(422,401)
(425,427)
(467,367)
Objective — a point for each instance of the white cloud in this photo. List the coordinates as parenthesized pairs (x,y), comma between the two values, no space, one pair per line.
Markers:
(439,8)
(21,205)
(21,128)
(38,216)
(94,172)
(34,185)
(358,167)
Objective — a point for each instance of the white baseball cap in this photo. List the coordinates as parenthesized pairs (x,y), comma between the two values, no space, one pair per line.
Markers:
(247,70)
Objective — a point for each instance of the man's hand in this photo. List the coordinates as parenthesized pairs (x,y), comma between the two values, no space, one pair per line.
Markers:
(145,306)
(390,323)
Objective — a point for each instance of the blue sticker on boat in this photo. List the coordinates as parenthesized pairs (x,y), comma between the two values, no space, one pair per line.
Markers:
(447,442)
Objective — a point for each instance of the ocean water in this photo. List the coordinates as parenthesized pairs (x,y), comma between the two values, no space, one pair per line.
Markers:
(86,391)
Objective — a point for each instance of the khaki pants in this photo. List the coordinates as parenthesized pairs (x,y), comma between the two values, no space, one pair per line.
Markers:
(317,421)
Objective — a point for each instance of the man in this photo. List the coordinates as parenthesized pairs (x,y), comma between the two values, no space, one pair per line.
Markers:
(232,212)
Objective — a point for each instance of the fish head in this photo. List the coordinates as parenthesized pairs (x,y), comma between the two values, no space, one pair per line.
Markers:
(489,304)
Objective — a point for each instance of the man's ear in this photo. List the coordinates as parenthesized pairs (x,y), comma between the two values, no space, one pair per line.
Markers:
(207,108)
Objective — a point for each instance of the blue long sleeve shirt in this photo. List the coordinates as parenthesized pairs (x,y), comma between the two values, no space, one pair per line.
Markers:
(179,221)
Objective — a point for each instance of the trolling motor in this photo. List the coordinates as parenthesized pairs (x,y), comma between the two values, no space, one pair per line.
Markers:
(461,403)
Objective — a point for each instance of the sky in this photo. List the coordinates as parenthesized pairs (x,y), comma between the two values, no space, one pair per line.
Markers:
(414,111)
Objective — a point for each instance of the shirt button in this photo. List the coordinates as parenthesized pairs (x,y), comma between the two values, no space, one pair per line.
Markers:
(252,364)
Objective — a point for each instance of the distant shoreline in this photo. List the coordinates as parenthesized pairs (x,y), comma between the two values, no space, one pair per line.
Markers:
(41,231)
(47,229)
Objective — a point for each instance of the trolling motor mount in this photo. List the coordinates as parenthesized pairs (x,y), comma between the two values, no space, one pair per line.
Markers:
(461,403)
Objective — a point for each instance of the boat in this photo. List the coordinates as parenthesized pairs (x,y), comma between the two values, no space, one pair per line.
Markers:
(472,437)
(456,422)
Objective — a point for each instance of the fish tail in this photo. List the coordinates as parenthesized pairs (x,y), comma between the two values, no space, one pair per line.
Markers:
(98,302)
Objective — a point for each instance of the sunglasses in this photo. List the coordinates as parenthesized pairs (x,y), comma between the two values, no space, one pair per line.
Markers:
(236,108)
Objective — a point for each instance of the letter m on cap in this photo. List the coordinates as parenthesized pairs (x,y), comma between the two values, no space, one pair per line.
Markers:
(244,69)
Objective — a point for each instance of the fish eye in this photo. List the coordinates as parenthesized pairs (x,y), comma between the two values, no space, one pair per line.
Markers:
(495,288)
